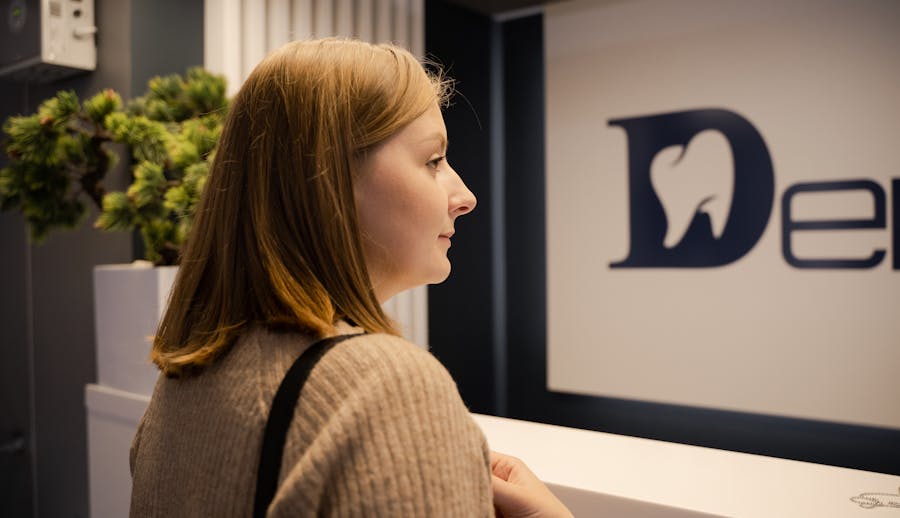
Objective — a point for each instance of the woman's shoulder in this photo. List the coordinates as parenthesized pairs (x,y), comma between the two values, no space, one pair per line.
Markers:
(386,368)
(363,363)
(379,404)
(388,355)
(384,345)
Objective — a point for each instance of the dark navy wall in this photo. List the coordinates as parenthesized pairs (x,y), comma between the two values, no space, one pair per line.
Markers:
(460,310)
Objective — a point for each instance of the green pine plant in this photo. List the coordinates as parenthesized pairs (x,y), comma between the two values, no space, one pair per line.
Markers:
(60,156)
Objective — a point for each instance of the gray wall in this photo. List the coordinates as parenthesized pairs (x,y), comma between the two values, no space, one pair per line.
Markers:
(46,298)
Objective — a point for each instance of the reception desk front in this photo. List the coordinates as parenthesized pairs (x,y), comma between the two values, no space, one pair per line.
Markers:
(595,474)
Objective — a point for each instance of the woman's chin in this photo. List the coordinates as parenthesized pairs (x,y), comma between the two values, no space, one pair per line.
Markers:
(444,273)
(439,276)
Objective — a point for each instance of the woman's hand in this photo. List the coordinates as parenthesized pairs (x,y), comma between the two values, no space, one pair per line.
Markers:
(519,493)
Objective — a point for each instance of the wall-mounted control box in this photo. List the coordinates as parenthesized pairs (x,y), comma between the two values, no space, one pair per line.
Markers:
(44,40)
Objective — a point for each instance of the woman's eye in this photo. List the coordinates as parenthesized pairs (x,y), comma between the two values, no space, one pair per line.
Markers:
(435,162)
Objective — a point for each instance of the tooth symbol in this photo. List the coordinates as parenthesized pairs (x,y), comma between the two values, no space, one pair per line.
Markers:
(692,179)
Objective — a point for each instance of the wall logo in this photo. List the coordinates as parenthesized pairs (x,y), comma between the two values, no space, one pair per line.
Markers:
(726,206)
(873,500)
(701,190)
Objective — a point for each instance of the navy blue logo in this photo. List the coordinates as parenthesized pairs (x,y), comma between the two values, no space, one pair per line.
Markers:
(714,230)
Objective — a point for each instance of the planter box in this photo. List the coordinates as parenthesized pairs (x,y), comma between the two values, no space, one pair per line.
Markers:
(129,300)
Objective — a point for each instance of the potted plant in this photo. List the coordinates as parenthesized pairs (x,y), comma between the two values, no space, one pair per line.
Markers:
(59,158)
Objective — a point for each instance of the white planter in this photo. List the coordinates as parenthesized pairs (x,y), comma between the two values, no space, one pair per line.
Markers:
(129,300)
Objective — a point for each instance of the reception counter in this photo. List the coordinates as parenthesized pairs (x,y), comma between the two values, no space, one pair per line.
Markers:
(595,474)
(600,474)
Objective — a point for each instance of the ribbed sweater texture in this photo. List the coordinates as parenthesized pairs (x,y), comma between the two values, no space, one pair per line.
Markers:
(379,430)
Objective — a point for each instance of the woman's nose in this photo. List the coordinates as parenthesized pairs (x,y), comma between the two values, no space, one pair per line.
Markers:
(461,199)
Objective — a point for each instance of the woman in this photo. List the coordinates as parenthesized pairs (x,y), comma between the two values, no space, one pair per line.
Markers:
(330,192)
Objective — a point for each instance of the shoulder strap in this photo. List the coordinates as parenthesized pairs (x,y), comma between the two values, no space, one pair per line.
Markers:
(280,416)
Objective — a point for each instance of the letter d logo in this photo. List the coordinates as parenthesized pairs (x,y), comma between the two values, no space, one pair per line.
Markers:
(699,245)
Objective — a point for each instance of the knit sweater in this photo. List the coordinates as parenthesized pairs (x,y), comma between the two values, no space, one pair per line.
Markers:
(379,430)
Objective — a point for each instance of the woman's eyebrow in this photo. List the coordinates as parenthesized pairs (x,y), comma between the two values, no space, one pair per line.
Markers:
(437,135)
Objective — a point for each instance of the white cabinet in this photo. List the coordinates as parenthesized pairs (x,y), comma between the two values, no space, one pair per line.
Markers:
(113,417)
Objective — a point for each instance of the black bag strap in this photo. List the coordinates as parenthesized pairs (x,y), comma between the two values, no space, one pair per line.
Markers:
(280,416)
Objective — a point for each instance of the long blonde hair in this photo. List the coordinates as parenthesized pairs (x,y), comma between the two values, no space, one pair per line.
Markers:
(275,240)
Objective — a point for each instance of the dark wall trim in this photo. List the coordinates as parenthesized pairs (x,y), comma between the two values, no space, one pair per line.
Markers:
(461,311)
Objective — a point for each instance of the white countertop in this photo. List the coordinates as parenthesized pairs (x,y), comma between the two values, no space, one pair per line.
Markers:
(599,473)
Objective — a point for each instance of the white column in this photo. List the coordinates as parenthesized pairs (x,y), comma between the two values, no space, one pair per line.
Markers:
(363,20)
(254,35)
(418,316)
(401,23)
(323,18)
(301,19)
(222,39)
(343,18)
(409,309)
(417,28)
(383,13)
(278,23)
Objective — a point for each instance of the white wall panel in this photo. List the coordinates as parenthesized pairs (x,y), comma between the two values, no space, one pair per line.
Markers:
(343,18)
(401,23)
(222,49)
(634,92)
(323,18)
(301,19)
(383,20)
(417,27)
(278,23)
(253,44)
(364,20)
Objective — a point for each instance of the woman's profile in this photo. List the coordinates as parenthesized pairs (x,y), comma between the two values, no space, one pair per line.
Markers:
(330,192)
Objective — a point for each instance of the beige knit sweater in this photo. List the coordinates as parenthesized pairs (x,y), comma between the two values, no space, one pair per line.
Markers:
(380,430)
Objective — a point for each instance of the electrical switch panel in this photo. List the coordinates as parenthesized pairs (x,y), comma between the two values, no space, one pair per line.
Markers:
(45,40)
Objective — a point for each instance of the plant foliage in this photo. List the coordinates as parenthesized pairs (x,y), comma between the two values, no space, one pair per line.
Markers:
(60,156)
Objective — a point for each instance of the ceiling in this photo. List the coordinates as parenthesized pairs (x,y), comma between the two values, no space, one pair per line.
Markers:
(493,7)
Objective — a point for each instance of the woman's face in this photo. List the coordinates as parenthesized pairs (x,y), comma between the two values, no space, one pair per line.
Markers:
(407,200)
